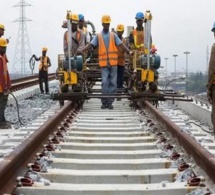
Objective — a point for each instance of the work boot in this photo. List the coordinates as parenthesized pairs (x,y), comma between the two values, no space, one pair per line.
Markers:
(61,102)
(110,106)
(5,125)
(103,106)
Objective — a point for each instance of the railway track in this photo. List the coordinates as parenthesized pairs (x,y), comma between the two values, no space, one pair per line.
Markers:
(92,151)
(18,84)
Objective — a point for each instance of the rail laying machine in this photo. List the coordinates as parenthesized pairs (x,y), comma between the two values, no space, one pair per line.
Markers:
(140,80)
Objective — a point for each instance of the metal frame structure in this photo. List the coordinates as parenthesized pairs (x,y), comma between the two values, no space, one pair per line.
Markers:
(23,49)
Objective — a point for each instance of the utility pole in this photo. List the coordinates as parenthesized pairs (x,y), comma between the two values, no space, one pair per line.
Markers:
(166,68)
(186,53)
(175,55)
(22,51)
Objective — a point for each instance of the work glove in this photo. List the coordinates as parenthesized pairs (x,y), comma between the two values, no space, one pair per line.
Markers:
(153,50)
(209,96)
(131,53)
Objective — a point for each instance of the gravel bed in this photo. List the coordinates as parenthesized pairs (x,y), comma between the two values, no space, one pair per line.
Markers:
(29,109)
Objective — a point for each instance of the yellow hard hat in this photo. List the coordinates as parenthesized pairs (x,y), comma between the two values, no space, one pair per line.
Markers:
(2,26)
(106,19)
(74,18)
(44,49)
(3,42)
(120,27)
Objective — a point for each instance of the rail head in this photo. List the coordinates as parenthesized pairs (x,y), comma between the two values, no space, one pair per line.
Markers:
(15,163)
(202,157)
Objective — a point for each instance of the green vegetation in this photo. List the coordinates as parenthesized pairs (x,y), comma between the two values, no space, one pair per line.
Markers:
(197,82)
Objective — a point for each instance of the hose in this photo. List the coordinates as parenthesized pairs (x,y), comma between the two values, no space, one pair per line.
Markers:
(92,26)
(56,74)
(17,108)
(200,127)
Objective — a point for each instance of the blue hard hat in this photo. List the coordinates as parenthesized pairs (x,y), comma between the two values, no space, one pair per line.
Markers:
(81,16)
(213,29)
(139,15)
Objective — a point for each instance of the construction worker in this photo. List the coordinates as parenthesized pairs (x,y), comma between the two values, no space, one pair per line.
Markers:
(107,43)
(5,83)
(2,29)
(82,27)
(121,57)
(45,63)
(78,37)
(136,38)
(211,81)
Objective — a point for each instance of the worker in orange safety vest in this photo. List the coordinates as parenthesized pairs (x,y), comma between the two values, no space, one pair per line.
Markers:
(136,38)
(2,29)
(78,37)
(107,43)
(83,28)
(5,83)
(45,63)
(121,57)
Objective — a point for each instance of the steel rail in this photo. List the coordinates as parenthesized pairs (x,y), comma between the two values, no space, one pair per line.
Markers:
(15,163)
(27,82)
(27,78)
(202,157)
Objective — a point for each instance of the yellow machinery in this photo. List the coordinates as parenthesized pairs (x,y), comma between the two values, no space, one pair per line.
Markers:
(145,63)
(69,77)
(69,67)
(77,78)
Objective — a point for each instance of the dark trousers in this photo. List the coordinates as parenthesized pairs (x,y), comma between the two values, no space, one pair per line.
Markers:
(43,77)
(3,104)
(213,108)
(120,76)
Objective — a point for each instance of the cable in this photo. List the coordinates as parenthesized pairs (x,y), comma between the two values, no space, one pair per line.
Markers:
(32,63)
(200,127)
(56,74)
(17,106)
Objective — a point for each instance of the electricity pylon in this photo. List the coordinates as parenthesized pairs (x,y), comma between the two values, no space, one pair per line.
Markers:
(23,50)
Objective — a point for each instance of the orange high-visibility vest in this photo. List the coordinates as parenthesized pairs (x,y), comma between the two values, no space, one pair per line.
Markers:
(109,55)
(138,39)
(43,63)
(121,54)
(7,82)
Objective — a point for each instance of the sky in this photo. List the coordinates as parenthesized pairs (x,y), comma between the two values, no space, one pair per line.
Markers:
(177,26)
